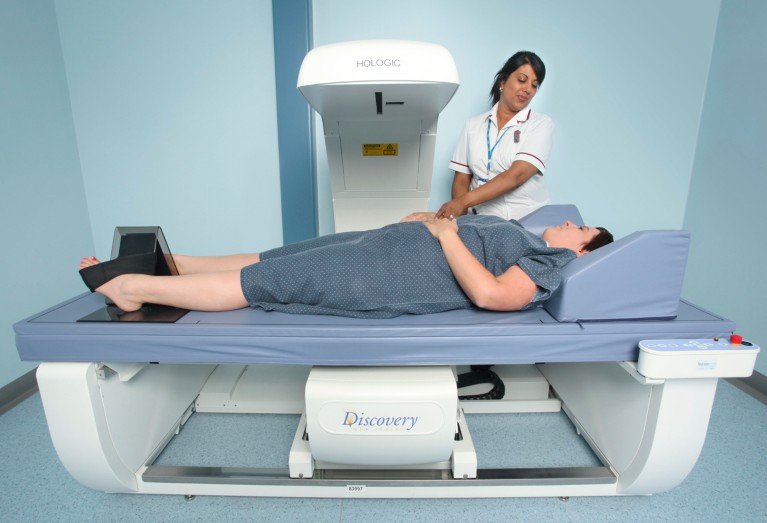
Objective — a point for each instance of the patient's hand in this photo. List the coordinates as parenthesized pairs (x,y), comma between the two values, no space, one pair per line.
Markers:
(438,227)
(418,217)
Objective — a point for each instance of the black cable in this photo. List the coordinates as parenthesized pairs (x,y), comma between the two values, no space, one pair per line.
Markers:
(481,374)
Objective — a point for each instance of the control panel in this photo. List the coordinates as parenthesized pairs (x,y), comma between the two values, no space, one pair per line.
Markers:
(727,357)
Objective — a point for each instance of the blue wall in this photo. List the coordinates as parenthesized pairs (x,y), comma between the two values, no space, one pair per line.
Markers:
(175,114)
(142,112)
(42,201)
(729,185)
(624,86)
(292,21)
(130,113)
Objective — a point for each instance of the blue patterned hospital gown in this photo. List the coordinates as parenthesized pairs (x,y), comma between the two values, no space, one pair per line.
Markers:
(398,269)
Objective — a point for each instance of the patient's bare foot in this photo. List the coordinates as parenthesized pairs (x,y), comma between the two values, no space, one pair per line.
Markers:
(89,261)
(116,289)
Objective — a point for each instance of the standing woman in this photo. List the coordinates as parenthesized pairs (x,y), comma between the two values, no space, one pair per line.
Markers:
(501,156)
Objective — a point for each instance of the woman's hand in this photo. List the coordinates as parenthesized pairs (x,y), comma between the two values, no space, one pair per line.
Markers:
(438,227)
(455,207)
(418,217)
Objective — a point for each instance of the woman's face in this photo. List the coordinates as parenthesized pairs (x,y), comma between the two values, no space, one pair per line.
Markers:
(519,88)
(570,236)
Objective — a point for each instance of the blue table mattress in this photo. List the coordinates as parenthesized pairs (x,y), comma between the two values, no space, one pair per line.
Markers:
(249,336)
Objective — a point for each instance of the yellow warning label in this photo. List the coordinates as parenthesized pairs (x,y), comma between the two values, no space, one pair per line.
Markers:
(380,149)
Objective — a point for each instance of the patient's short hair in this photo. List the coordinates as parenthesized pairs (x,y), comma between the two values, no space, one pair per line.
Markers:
(602,238)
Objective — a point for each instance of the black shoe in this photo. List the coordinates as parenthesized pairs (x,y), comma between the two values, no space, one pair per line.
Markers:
(97,275)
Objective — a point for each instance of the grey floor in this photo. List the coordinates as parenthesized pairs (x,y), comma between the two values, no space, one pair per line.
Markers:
(727,484)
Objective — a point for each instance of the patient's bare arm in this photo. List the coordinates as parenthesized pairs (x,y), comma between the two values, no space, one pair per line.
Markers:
(510,291)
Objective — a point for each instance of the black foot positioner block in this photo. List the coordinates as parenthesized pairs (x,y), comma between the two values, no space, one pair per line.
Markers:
(135,250)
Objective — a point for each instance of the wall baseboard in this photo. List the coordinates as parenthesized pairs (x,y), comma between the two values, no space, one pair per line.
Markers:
(17,391)
(755,385)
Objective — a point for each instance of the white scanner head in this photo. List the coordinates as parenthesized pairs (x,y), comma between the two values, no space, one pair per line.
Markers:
(379,101)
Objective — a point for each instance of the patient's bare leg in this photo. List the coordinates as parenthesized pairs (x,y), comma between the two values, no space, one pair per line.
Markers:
(217,291)
(200,264)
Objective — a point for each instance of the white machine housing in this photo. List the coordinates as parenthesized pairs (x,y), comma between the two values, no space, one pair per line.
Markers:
(712,358)
(381,415)
(380,101)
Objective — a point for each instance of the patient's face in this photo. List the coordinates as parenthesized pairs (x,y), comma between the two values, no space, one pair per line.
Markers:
(570,236)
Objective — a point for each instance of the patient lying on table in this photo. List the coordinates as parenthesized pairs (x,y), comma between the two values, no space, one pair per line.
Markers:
(418,266)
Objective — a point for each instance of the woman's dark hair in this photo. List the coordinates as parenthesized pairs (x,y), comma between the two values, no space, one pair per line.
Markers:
(600,240)
(516,61)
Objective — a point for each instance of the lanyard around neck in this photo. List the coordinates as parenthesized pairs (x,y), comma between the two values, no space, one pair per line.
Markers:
(490,149)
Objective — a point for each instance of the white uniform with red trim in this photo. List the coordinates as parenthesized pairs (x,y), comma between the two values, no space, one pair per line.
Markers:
(526,137)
